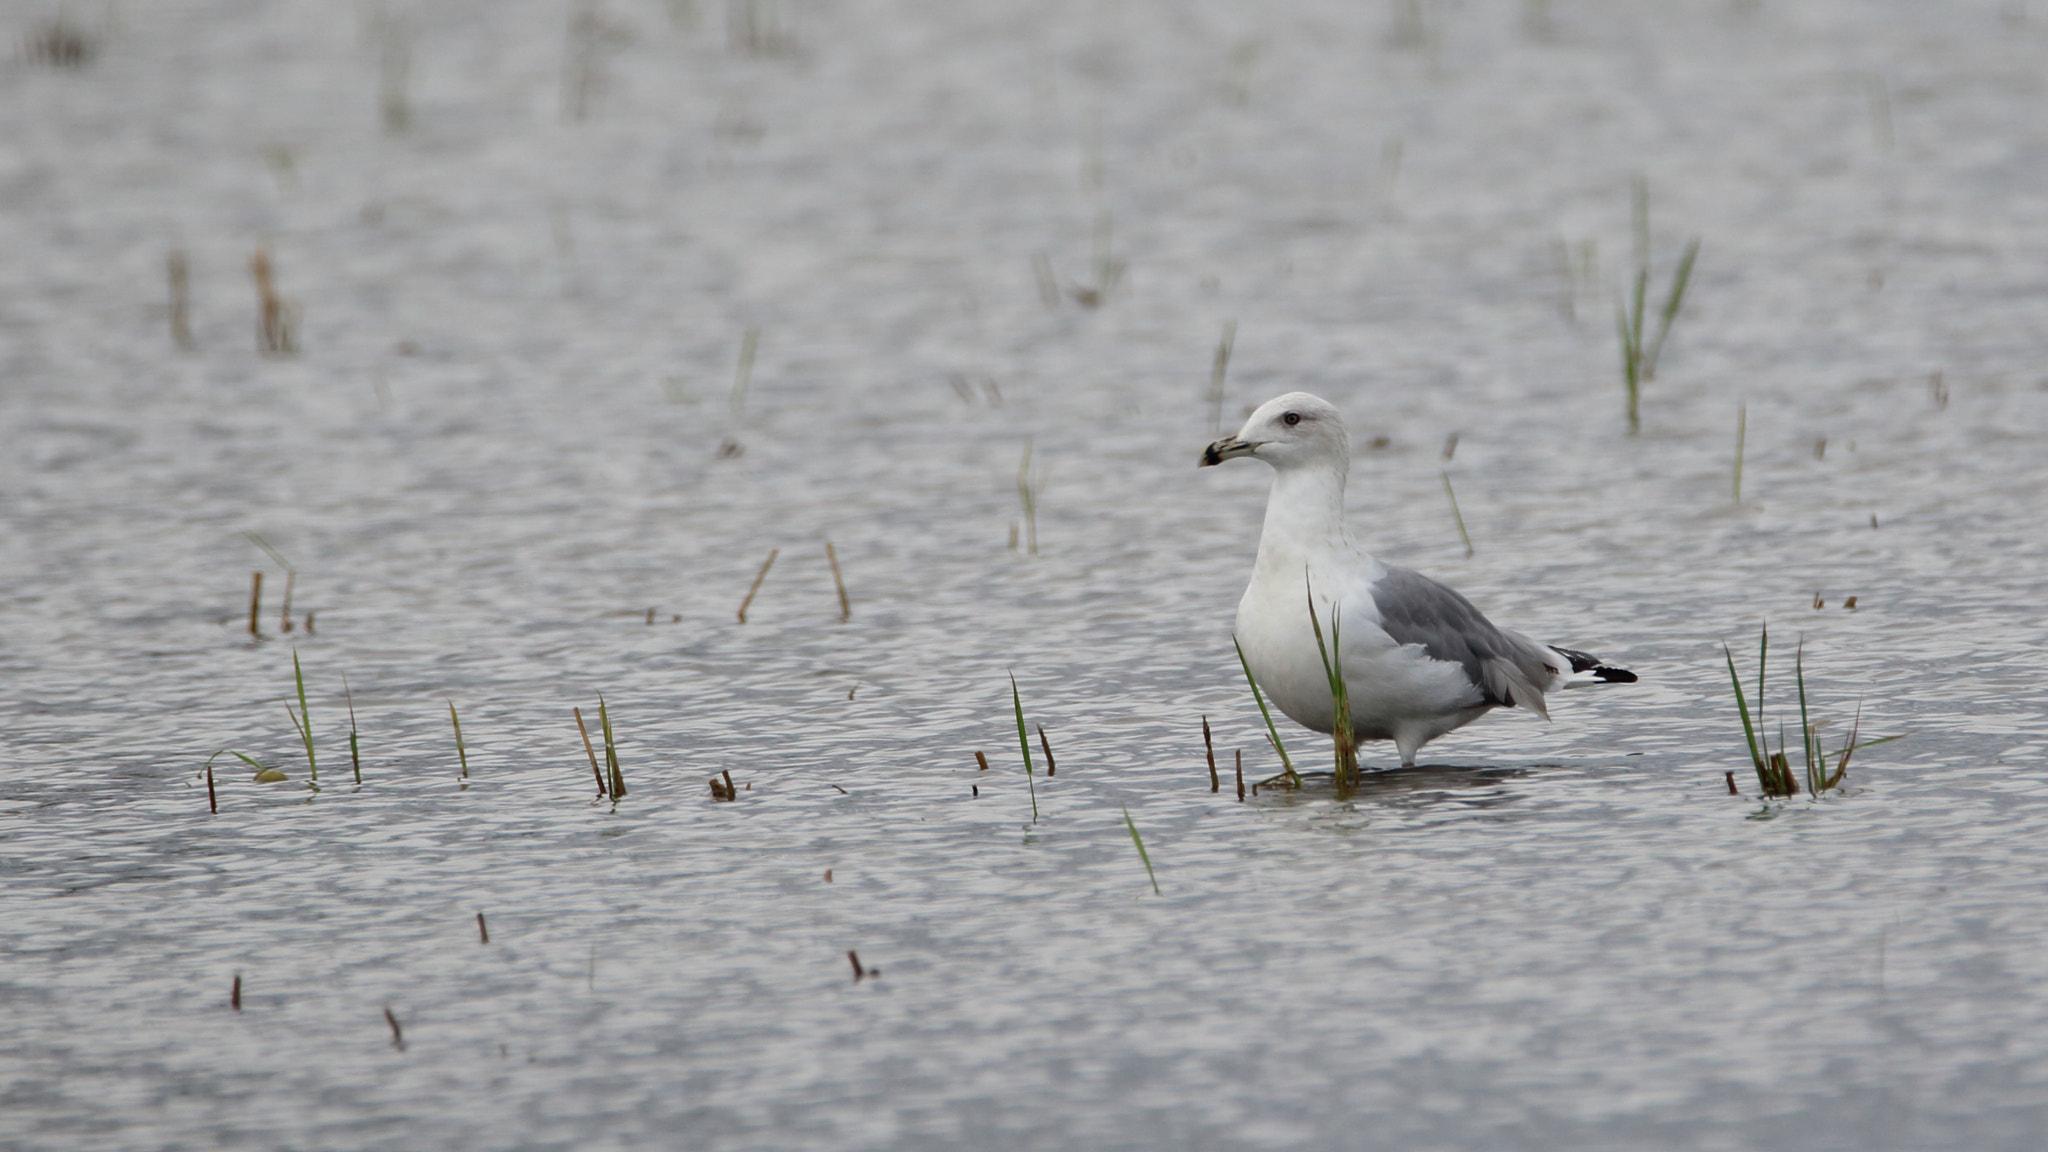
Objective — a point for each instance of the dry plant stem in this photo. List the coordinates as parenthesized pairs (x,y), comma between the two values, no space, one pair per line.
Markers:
(1240,775)
(838,582)
(355,757)
(1045,746)
(611,753)
(756,586)
(589,751)
(1455,514)
(255,602)
(235,993)
(274,334)
(981,759)
(284,614)
(179,272)
(853,958)
(1209,746)
(483,931)
(397,1033)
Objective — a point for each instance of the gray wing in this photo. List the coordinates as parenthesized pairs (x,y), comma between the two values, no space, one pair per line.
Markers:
(1507,668)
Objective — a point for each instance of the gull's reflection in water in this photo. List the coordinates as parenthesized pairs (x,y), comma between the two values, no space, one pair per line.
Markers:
(1470,786)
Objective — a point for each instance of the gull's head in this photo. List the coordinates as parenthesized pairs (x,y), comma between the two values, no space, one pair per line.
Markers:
(1288,431)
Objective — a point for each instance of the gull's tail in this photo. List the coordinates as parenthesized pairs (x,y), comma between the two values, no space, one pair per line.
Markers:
(1587,671)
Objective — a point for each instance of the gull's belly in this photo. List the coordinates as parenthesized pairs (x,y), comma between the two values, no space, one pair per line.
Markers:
(1389,686)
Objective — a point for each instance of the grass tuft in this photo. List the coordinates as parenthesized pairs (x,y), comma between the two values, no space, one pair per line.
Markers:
(460,751)
(1346,771)
(1774,771)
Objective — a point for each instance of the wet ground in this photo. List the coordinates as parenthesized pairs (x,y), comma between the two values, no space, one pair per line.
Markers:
(519,253)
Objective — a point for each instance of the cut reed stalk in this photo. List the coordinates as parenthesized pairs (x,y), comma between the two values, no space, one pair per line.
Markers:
(460,751)
(284,613)
(235,993)
(1272,733)
(1024,743)
(1217,371)
(1209,746)
(1456,515)
(355,757)
(981,759)
(756,585)
(590,752)
(744,374)
(483,931)
(838,582)
(1741,435)
(397,1033)
(1143,855)
(178,271)
(611,753)
(859,973)
(255,603)
(1240,775)
(1346,771)
(1045,746)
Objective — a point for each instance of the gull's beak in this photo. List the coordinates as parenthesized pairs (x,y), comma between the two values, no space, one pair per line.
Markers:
(1228,448)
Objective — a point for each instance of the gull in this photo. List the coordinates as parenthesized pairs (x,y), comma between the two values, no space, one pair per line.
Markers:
(1418,659)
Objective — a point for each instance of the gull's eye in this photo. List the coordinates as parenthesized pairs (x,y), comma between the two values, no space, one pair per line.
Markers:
(1291,419)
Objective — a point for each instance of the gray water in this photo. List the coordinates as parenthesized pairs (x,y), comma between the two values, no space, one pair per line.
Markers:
(510,433)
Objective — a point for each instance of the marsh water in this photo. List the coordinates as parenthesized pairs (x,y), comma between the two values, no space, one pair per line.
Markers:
(515,465)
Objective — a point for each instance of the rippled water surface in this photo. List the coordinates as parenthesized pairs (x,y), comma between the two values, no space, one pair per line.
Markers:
(511,473)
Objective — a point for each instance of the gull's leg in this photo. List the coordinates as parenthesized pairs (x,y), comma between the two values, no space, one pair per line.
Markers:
(1409,741)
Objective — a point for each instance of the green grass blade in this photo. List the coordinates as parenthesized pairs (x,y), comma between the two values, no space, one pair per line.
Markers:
(1272,733)
(1024,742)
(1815,771)
(1756,755)
(304,722)
(1455,514)
(1340,697)
(1142,854)
(460,751)
(1672,303)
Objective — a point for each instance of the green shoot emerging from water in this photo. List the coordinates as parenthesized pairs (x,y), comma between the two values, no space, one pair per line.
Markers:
(1142,854)
(460,751)
(303,721)
(1272,733)
(1024,742)
(1346,773)
(1774,769)
(354,756)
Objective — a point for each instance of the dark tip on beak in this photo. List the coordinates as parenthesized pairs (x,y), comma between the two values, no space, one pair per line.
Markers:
(1228,448)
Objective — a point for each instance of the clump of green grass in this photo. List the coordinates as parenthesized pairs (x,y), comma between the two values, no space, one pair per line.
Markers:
(1346,771)
(1024,743)
(1272,732)
(1639,361)
(1774,772)
(1143,856)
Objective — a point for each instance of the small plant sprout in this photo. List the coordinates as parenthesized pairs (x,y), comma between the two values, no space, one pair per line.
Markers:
(303,721)
(1272,733)
(1639,361)
(1774,769)
(1024,743)
(1029,486)
(743,375)
(461,752)
(1346,772)
(264,773)
(1143,856)
(616,785)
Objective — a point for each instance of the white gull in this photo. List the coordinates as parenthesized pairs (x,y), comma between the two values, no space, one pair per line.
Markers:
(1418,659)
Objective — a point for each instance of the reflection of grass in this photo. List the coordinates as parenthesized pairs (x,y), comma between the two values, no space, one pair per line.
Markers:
(1774,769)
(1272,733)
(1346,773)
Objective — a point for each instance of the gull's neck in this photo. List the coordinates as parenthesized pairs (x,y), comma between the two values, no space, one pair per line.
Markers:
(1305,520)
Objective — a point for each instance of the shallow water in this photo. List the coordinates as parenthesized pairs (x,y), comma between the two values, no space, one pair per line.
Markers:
(501,447)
